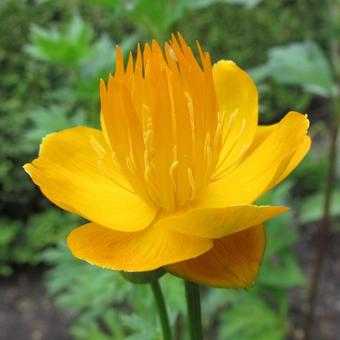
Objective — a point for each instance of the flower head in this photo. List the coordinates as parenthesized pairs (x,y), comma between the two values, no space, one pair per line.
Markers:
(171,177)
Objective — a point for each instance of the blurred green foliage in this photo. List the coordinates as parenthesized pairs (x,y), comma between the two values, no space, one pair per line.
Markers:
(23,242)
(66,48)
(51,59)
(294,64)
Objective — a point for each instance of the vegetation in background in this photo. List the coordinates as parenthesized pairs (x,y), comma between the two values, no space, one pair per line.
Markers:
(51,59)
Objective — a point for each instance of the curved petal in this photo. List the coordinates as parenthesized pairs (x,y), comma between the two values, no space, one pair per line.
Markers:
(233,262)
(214,223)
(238,105)
(294,162)
(75,171)
(140,251)
(278,154)
(262,133)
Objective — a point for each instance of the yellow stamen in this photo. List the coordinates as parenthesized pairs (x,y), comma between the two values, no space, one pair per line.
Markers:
(166,129)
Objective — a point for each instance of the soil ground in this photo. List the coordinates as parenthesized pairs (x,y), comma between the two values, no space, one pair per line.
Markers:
(327,312)
(27,313)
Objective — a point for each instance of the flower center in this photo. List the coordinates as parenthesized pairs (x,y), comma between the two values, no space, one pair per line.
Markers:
(161,118)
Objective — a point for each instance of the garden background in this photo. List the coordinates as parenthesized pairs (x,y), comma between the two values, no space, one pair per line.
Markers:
(52,55)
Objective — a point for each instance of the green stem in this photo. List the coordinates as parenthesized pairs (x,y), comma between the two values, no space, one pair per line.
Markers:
(192,294)
(325,223)
(163,314)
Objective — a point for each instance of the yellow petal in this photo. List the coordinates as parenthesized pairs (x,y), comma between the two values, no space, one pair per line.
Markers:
(214,223)
(233,262)
(281,150)
(139,251)
(294,162)
(262,133)
(238,103)
(75,171)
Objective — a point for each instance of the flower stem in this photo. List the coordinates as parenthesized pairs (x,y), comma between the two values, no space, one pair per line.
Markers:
(325,223)
(192,294)
(163,314)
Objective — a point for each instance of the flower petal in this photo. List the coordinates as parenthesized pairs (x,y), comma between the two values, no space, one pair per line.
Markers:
(293,163)
(75,171)
(139,251)
(214,223)
(238,104)
(262,133)
(233,262)
(278,154)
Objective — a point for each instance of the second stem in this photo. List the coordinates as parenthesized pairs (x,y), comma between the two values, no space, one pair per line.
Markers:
(163,315)
(192,294)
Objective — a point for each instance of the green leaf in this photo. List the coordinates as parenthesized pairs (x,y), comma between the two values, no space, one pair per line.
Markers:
(158,17)
(280,233)
(281,271)
(62,47)
(259,73)
(98,65)
(99,287)
(9,231)
(110,327)
(251,319)
(110,4)
(52,119)
(302,64)
(41,231)
(139,328)
(195,4)
(154,16)
(312,207)
(100,61)
(278,196)
(102,289)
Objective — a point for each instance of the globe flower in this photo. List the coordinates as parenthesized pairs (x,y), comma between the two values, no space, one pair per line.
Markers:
(171,178)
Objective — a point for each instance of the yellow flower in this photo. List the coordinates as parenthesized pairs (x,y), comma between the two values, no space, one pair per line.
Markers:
(171,177)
